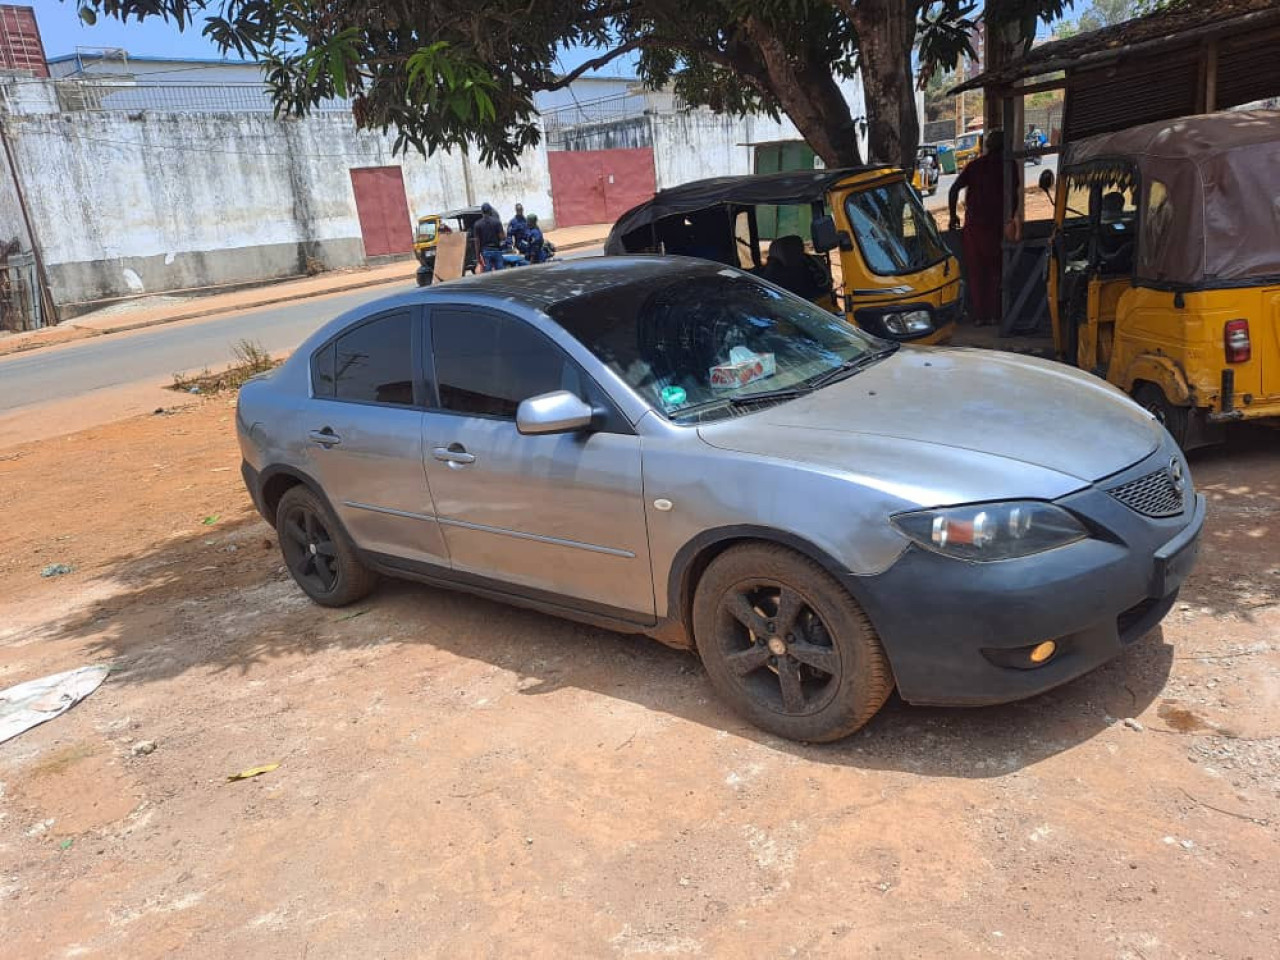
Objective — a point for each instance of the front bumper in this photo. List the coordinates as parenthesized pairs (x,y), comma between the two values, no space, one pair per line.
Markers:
(948,625)
(254,486)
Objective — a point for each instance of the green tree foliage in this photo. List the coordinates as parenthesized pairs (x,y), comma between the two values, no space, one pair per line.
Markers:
(1107,13)
(450,73)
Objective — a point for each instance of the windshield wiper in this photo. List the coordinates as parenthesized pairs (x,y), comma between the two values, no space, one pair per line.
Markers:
(768,396)
(744,401)
(850,367)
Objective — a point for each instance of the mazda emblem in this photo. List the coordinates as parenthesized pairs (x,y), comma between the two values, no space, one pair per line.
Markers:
(1176,479)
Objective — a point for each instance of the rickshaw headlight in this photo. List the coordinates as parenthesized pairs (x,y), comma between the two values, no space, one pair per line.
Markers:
(908,323)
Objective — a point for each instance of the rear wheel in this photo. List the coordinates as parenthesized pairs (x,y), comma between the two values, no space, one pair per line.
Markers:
(320,557)
(1174,418)
(787,646)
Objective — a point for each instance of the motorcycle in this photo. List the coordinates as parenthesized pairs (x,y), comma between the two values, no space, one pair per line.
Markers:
(523,252)
(1034,141)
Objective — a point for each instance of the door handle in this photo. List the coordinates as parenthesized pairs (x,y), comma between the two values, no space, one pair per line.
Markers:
(326,437)
(455,455)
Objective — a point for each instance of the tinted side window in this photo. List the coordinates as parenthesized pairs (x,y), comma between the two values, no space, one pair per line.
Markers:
(322,371)
(374,362)
(486,364)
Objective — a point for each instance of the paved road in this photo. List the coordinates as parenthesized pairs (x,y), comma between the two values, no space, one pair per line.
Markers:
(155,354)
(938,202)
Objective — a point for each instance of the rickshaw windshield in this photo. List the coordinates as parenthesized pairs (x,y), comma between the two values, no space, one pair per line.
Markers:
(427,229)
(894,232)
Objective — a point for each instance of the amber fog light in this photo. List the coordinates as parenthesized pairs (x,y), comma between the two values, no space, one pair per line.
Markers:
(1041,652)
(1029,657)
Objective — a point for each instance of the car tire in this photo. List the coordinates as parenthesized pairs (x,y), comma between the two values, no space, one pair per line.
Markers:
(318,553)
(786,646)
(1175,419)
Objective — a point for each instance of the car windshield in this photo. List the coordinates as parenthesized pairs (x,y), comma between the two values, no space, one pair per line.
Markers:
(712,343)
(894,232)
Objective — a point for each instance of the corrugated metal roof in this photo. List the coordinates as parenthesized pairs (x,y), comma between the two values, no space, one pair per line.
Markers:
(1192,21)
(20,44)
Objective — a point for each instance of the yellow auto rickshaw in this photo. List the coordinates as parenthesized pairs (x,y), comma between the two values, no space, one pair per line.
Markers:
(968,148)
(427,237)
(928,170)
(893,273)
(1164,271)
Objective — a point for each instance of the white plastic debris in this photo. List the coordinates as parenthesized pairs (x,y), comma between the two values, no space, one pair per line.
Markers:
(32,703)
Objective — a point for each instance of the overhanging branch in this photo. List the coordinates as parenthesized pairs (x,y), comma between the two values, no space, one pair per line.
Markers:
(584,67)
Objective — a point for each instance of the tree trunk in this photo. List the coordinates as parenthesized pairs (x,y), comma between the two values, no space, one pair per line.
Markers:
(886,32)
(811,98)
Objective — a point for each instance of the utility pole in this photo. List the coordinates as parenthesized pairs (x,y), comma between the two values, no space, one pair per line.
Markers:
(466,177)
(47,315)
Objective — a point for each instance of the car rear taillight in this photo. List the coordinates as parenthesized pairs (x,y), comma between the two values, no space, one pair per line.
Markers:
(1235,339)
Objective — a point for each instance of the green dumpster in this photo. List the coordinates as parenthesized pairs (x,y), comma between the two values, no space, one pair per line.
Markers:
(947,157)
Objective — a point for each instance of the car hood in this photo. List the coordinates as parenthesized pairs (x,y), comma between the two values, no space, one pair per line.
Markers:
(952,410)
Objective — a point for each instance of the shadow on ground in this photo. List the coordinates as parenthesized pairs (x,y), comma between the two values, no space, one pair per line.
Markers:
(199,605)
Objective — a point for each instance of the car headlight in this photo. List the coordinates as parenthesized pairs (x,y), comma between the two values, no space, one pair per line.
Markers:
(992,531)
(908,323)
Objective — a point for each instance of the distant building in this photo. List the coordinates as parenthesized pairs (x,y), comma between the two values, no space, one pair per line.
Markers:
(115,64)
(21,50)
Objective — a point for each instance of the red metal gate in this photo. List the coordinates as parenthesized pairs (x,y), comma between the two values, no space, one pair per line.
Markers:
(598,186)
(383,209)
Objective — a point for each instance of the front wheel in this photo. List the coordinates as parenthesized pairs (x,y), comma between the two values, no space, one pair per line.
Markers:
(787,646)
(1174,418)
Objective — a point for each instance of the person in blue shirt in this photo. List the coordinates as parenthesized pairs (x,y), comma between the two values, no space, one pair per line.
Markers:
(535,244)
(488,237)
(518,228)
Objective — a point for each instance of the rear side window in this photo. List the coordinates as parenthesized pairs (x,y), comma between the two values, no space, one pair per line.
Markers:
(487,364)
(322,371)
(373,363)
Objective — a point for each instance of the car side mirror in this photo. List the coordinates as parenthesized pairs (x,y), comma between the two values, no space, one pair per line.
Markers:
(557,412)
(1046,182)
(826,237)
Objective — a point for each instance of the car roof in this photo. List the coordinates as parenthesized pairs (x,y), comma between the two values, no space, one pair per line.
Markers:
(547,285)
(539,288)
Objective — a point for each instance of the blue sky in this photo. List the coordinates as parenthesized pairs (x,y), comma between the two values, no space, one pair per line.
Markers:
(63,31)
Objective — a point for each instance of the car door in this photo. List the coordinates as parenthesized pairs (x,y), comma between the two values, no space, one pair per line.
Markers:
(558,516)
(364,435)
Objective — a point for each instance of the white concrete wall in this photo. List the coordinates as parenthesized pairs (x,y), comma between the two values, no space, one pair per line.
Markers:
(695,144)
(153,202)
(11,225)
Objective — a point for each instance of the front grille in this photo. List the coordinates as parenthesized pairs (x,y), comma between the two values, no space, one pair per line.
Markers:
(1152,496)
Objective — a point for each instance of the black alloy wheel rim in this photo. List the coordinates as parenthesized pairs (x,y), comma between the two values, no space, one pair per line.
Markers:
(308,550)
(777,647)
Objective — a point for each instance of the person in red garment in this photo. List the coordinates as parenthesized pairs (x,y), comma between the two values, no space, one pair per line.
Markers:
(983,183)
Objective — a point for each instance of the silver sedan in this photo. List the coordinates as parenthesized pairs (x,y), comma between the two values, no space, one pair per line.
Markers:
(677,448)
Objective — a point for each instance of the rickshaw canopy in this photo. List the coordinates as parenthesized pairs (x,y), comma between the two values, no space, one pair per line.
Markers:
(1209,195)
(631,232)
